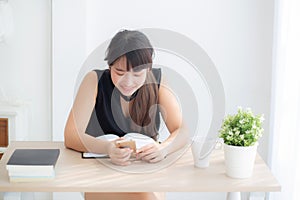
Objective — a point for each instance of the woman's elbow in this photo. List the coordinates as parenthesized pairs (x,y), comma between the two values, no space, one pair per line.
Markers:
(71,137)
(67,139)
(72,140)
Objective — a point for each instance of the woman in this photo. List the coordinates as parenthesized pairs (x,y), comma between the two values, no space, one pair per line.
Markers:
(124,99)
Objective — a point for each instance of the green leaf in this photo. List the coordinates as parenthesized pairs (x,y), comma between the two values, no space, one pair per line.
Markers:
(241,129)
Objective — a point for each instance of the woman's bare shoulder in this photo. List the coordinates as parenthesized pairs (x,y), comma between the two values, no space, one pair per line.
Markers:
(90,79)
(89,84)
(92,75)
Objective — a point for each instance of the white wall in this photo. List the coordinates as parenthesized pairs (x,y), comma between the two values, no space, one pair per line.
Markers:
(68,35)
(25,62)
(237,35)
(25,70)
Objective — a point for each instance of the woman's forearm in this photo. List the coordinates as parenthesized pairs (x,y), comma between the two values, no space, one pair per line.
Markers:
(177,139)
(78,140)
(85,143)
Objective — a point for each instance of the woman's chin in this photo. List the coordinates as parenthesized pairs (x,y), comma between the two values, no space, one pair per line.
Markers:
(126,93)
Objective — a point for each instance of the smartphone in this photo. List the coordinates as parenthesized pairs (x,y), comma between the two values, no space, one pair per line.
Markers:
(126,144)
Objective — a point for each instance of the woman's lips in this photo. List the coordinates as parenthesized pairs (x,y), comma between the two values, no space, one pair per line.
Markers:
(127,90)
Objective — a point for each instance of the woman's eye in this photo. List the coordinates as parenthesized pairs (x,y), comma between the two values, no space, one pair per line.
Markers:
(120,73)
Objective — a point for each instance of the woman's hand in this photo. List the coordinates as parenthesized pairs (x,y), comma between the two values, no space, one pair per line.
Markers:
(151,153)
(119,156)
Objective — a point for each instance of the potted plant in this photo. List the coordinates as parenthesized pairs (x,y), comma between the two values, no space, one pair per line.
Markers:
(241,133)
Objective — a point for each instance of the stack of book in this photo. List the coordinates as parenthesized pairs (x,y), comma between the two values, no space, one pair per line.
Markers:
(26,165)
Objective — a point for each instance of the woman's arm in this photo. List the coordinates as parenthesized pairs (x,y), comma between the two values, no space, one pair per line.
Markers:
(75,136)
(172,116)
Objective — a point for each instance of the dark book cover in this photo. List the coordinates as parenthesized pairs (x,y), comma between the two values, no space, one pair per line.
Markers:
(34,157)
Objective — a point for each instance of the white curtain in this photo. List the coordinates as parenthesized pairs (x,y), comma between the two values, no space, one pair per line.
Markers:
(285,107)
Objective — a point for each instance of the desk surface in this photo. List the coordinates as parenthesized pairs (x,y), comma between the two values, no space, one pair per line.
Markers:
(88,175)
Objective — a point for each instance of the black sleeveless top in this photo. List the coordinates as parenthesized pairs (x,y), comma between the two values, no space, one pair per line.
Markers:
(107,116)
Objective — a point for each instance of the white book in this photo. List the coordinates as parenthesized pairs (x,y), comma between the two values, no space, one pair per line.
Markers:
(31,171)
(140,141)
(26,165)
(28,160)
(31,178)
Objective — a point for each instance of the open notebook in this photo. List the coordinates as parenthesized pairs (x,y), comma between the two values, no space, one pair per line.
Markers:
(140,141)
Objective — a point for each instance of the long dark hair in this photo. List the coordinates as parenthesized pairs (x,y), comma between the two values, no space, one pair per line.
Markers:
(138,51)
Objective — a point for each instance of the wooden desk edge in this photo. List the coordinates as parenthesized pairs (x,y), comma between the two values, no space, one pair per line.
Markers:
(20,187)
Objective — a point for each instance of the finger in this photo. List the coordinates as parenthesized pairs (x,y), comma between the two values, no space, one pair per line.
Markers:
(124,153)
(155,160)
(127,153)
(146,148)
(149,156)
(143,154)
(121,162)
(118,139)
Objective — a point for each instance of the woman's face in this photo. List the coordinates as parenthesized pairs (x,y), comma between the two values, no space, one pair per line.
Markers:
(127,82)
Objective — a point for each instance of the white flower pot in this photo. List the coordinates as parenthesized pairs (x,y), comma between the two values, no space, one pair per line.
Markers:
(239,161)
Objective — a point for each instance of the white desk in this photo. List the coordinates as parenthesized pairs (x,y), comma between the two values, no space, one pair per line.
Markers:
(75,174)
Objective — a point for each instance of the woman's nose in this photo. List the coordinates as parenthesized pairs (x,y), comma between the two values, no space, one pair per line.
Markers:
(127,79)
